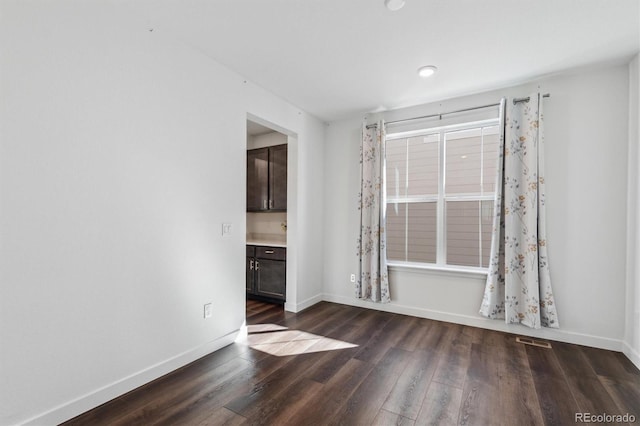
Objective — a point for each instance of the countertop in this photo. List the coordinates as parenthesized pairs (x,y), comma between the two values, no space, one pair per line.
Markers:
(270,240)
(266,243)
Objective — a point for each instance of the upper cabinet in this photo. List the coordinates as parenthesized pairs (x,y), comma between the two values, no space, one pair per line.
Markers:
(267,179)
(258,179)
(278,177)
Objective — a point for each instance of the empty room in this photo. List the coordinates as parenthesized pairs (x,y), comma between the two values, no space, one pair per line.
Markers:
(438,204)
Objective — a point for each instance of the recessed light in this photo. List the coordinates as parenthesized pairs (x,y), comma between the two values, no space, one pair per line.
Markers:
(427,71)
(394,5)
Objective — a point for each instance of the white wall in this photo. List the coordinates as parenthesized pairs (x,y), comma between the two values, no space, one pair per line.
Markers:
(632,326)
(307,228)
(586,149)
(122,152)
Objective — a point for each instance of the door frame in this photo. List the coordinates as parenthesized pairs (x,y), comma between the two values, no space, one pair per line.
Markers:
(292,207)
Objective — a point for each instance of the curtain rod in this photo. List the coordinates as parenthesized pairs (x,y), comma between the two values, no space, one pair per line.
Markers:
(424,117)
(518,100)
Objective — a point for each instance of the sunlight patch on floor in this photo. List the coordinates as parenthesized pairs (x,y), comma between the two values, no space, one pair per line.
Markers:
(260,328)
(280,341)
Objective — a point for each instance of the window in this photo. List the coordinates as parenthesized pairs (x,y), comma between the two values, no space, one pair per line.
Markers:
(440,194)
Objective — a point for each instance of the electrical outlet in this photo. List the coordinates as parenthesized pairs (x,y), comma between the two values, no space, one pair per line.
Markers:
(353,278)
(208,310)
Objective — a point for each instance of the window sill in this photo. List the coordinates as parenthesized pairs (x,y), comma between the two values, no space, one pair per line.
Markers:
(460,271)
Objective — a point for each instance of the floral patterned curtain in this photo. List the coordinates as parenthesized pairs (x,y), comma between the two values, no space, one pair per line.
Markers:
(373,283)
(518,287)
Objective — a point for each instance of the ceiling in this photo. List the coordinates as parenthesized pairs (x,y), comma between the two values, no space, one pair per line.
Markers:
(338,58)
(255,129)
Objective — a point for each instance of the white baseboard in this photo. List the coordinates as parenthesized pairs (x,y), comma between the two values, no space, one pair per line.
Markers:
(292,307)
(93,399)
(481,322)
(632,354)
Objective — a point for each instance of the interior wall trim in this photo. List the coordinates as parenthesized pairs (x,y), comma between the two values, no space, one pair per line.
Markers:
(297,307)
(104,394)
(633,355)
(481,322)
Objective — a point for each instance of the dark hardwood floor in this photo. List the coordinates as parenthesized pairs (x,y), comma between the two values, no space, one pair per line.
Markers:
(336,364)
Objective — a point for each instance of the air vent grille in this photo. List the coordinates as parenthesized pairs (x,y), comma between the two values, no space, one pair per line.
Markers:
(533,342)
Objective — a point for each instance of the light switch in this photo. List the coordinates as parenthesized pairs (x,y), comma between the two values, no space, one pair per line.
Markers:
(226,228)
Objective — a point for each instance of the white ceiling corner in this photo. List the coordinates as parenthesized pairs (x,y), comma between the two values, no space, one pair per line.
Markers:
(336,58)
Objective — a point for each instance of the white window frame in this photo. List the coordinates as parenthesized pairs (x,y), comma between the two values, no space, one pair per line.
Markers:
(441,198)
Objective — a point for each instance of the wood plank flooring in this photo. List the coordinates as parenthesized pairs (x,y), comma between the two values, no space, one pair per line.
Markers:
(334,364)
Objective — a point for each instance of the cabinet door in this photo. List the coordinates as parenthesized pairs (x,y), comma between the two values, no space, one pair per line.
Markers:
(251,261)
(271,278)
(278,177)
(258,179)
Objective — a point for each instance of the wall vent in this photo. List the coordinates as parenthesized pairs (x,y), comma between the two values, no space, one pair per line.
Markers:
(533,342)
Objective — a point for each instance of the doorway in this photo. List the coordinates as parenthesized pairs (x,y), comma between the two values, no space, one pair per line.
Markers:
(267,221)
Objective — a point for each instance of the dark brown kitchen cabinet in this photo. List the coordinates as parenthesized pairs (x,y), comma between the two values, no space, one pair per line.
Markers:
(251,262)
(257,179)
(267,273)
(278,178)
(267,179)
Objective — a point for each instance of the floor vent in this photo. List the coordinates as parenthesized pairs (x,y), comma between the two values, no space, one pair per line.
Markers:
(532,342)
